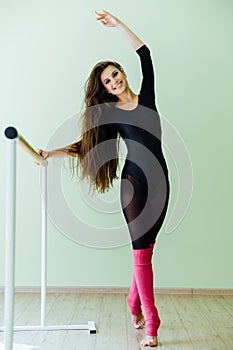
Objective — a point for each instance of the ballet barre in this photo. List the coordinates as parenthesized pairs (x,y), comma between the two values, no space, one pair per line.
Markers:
(13,138)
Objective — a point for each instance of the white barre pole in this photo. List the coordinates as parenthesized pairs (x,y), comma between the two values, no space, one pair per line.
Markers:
(11,135)
(43,243)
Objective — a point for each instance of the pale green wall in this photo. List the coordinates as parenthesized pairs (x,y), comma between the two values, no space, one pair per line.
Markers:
(47,51)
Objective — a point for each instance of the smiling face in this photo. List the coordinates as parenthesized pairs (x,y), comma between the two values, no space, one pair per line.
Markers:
(114,80)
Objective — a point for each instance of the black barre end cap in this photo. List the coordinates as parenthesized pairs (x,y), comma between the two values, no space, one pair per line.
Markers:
(11,132)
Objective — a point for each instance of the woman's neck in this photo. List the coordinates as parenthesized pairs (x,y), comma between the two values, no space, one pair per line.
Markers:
(127,96)
(127,100)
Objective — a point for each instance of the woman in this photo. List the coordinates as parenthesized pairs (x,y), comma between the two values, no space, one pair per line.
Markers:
(113,109)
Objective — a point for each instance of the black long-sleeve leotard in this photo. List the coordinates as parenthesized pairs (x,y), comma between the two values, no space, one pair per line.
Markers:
(145,182)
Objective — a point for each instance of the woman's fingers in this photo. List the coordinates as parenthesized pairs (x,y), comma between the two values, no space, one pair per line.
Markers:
(106,19)
(45,154)
(100,15)
(42,154)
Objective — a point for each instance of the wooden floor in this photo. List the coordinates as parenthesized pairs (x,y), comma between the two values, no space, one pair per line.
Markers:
(189,322)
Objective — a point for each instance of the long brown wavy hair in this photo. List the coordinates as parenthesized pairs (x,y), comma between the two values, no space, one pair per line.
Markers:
(96,153)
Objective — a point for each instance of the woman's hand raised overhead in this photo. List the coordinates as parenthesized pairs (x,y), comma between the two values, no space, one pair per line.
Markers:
(107,19)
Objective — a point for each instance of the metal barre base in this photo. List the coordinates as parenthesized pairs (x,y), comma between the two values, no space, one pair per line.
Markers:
(90,327)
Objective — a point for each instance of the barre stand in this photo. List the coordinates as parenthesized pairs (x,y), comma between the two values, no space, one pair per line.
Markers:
(13,138)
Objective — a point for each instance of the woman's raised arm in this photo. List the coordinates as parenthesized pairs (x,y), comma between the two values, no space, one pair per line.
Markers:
(109,20)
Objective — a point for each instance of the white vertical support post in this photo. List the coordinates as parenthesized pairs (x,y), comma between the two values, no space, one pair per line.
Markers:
(11,135)
(43,243)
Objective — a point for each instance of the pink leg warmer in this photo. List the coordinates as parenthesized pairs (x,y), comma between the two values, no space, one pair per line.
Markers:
(134,301)
(144,280)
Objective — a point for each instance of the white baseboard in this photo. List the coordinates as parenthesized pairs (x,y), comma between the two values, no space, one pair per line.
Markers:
(122,290)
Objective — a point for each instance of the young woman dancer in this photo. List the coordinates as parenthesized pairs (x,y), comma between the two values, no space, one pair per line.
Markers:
(145,182)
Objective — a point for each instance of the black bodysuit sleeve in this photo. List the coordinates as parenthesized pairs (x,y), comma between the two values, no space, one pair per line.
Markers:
(147,92)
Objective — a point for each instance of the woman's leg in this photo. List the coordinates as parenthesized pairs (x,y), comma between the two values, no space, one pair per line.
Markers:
(144,280)
(142,291)
(134,303)
(133,198)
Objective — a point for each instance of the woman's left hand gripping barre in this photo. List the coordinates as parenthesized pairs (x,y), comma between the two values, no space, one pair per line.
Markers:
(57,153)
(44,154)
